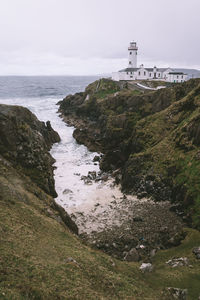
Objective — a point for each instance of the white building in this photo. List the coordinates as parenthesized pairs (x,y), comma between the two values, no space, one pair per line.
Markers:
(141,73)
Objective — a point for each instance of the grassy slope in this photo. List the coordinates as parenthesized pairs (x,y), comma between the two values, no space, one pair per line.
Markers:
(166,138)
(158,131)
(36,246)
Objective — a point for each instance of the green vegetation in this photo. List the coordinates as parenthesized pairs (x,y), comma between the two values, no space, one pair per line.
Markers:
(154,138)
(152,135)
(171,139)
(102,88)
(42,259)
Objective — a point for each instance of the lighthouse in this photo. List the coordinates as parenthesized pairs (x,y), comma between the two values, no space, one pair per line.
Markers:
(132,72)
(132,55)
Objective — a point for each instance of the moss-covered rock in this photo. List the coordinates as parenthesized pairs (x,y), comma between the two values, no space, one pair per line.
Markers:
(149,135)
(25,141)
(40,258)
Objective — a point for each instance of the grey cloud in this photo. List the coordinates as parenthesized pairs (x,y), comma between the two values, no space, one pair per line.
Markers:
(91,29)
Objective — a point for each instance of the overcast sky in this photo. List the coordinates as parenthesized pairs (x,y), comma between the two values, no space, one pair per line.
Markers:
(58,37)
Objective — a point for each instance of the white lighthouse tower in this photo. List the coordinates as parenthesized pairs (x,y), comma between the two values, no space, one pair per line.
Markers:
(132,72)
(132,55)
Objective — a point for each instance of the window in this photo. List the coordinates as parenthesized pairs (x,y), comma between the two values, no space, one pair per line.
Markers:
(129,62)
(130,53)
(131,76)
(139,73)
(177,76)
(144,73)
(158,74)
(182,76)
(131,72)
(127,73)
(149,74)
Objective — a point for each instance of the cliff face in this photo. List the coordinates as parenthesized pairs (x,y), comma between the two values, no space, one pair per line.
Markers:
(151,137)
(40,258)
(25,142)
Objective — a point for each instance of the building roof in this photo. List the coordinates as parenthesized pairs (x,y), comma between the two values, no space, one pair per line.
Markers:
(129,70)
(176,73)
(148,69)
(157,69)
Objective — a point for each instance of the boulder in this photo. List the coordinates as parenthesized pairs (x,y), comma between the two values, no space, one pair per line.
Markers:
(196,251)
(153,252)
(178,262)
(176,293)
(96,158)
(132,255)
(146,267)
(86,180)
(92,175)
(25,142)
(67,191)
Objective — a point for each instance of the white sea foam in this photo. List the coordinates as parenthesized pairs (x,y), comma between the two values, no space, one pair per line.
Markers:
(71,159)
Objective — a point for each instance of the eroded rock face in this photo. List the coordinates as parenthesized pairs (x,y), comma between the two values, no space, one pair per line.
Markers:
(152,138)
(25,142)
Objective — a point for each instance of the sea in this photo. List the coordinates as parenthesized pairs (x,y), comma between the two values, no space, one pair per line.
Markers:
(40,94)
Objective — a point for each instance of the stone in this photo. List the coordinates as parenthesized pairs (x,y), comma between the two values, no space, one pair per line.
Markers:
(146,267)
(26,141)
(176,293)
(104,177)
(71,259)
(113,263)
(132,255)
(153,252)
(175,240)
(178,262)
(92,175)
(67,191)
(142,247)
(96,158)
(87,97)
(196,251)
(86,180)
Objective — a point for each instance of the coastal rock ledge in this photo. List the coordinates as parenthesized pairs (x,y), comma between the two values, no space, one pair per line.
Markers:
(150,139)
(25,142)
(25,162)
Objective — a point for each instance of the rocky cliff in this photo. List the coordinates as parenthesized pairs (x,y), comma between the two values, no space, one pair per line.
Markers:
(25,142)
(40,258)
(151,138)
(24,148)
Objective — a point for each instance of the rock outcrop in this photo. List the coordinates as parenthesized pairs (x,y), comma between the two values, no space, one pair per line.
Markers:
(40,258)
(151,137)
(25,141)
(24,148)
